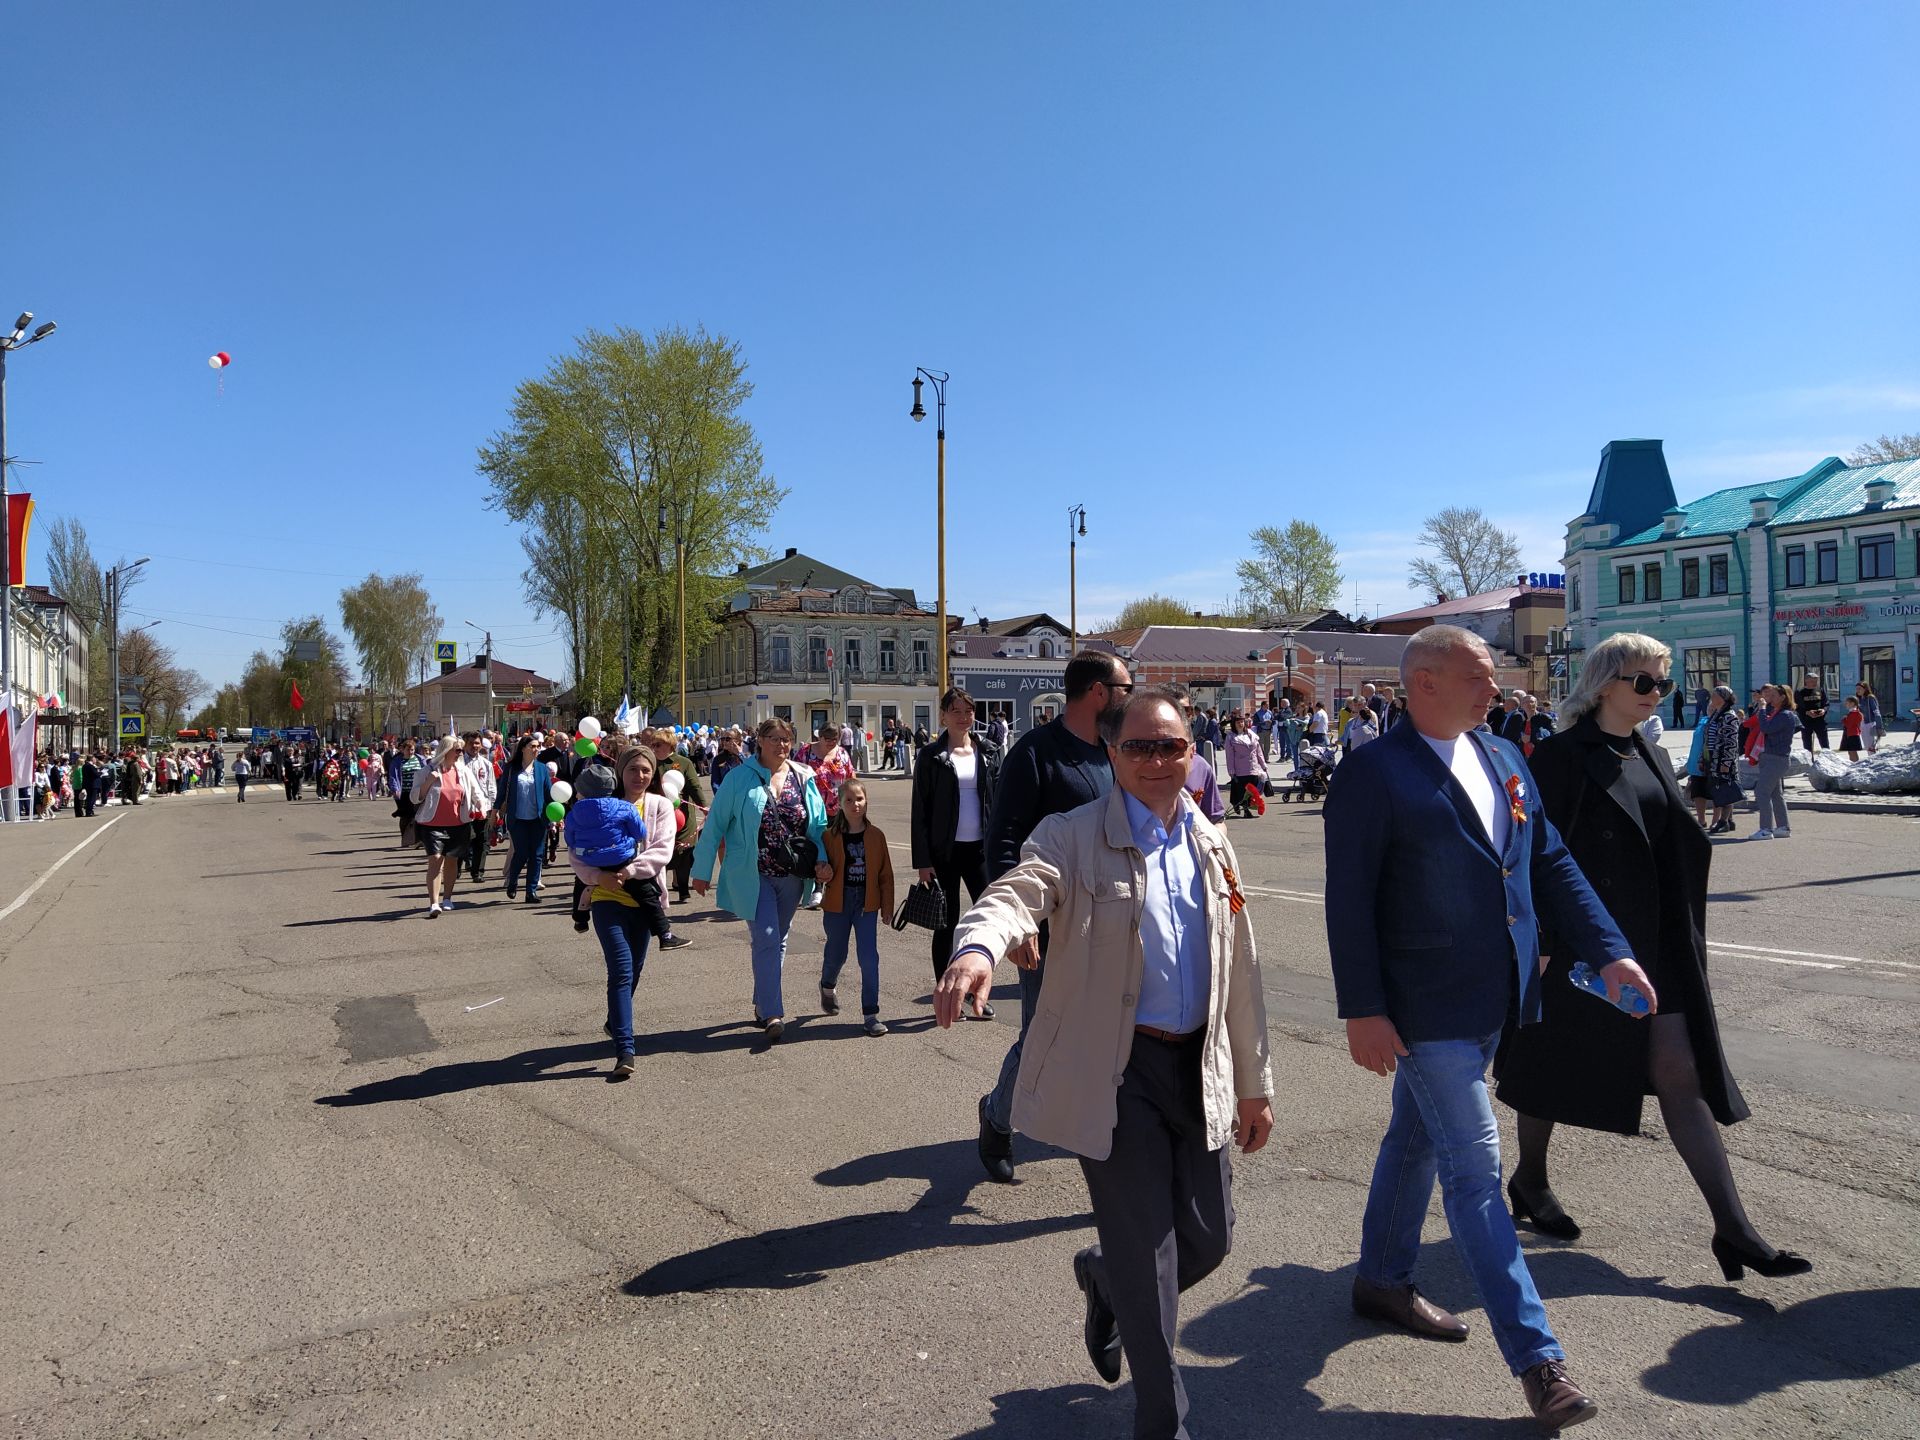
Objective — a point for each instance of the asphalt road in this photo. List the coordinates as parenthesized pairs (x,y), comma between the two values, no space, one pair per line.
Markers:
(282,1157)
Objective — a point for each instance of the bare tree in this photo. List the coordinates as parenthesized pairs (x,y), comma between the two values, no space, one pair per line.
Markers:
(1470,555)
(1887,447)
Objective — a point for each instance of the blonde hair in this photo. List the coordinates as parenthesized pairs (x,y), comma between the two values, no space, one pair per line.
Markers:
(847,787)
(1607,662)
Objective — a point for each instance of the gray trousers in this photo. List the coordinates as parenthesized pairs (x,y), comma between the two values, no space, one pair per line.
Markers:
(1163,1209)
(1769,795)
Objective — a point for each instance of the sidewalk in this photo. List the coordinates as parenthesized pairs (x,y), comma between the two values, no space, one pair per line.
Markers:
(1800,792)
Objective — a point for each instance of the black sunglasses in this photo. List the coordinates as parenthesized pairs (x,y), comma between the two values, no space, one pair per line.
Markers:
(1645,684)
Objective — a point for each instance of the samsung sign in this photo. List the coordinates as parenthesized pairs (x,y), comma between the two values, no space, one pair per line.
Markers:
(1542,580)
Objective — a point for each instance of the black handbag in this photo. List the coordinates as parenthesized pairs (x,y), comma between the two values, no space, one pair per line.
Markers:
(925,906)
(1726,792)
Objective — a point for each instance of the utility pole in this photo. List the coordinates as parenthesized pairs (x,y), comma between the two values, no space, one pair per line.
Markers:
(487,724)
(8,343)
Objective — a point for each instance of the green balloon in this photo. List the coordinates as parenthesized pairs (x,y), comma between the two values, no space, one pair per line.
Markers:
(363,752)
(556,811)
(584,747)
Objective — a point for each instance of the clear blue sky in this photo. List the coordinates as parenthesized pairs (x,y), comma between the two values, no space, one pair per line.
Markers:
(1198,267)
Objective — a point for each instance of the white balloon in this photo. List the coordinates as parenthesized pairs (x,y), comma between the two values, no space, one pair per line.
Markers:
(213,362)
(672,783)
(560,790)
(553,769)
(589,728)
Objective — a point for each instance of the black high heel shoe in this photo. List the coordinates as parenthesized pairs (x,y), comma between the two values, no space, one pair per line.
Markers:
(1735,1261)
(1545,1215)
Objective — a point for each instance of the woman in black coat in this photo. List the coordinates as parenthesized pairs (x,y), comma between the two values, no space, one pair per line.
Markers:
(1613,798)
(953,782)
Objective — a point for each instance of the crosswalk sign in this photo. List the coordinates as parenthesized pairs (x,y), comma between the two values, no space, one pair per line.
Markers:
(133,725)
(446,652)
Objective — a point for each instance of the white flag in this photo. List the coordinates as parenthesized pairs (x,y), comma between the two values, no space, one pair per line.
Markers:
(626,719)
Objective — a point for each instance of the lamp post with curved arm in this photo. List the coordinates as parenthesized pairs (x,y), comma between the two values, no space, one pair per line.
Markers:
(938,379)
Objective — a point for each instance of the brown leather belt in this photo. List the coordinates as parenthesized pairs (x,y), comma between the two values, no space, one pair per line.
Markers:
(1171,1037)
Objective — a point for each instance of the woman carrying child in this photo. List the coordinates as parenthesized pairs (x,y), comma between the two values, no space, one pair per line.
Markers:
(860,892)
(624,904)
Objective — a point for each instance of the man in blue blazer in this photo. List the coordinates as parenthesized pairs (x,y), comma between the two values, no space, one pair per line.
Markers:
(1437,851)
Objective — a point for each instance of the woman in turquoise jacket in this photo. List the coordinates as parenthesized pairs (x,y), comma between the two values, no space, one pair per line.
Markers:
(767,810)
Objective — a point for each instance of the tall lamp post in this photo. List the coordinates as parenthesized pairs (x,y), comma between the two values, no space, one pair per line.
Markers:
(9,343)
(938,379)
(1287,653)
(1339,658)
(1789,670)
(1074,513)
(487,634)
(116,585)
(679,607)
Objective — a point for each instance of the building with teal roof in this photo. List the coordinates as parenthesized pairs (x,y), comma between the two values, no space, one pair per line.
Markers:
(1755,583)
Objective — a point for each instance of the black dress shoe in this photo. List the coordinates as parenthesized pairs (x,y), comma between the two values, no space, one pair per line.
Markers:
(1736,1260)
(1556,1401)
(1405,1306)
(1543,1212)
(996,1150)
(1101,1331)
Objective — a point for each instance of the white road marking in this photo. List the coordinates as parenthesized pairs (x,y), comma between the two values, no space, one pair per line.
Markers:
(1771,950)
(28,893)
(1271,893)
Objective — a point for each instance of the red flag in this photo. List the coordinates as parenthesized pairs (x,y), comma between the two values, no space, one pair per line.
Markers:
(19,521)
(298,703)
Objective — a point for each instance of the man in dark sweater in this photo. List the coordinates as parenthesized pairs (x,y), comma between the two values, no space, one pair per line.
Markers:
(1053,768)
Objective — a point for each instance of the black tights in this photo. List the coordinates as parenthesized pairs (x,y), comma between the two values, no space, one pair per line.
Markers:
(1690,1124)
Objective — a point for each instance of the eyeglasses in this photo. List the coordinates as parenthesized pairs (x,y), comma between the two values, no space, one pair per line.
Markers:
(1645,684)
(1141,751)
(1118,684)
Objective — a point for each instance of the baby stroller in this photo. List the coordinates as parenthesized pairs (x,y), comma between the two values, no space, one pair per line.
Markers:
(1311,767)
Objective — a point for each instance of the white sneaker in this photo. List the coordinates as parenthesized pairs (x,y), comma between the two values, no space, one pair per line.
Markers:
(446,904)
(433,912)
(1761,835)
(1783,833)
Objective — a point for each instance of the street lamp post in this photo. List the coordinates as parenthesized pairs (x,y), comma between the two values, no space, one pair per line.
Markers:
(1789,671)
(679,607)
(1074,513)
(1287,654)
(116,582)
(486,724)
(8,344)
(1339,658)
(938,379)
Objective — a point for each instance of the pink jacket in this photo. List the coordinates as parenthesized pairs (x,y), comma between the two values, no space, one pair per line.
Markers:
(653,856)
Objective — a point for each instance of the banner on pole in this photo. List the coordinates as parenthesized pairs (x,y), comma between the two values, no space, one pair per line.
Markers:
(19,521)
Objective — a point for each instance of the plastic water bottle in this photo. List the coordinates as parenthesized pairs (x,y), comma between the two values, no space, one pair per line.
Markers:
(1631,1000)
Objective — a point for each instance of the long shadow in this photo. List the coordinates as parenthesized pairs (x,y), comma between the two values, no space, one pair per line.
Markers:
(1857,1335)
(526,1067)
(417,912)
(799,1255)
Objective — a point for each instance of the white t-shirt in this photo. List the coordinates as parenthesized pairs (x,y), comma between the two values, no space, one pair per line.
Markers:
(1471,770)
(966,769)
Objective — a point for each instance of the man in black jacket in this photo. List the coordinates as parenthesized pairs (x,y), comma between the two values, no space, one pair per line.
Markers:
(1051,769)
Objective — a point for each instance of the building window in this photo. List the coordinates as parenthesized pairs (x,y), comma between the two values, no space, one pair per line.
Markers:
(1689,579)
(920,657)
(1826,563)
(1796,565)
(1820,656)
(1716,575)
(1708,668)
(886,657)
(779,654)
(1626,584)
(1876,558)
(1573,594)
(784,712)
(1650,581)
(850,655)
(816,654)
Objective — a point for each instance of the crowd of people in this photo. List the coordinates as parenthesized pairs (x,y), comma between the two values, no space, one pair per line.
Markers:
(84,782)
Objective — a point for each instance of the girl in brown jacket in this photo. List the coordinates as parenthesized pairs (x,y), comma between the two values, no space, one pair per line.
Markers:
(860,892)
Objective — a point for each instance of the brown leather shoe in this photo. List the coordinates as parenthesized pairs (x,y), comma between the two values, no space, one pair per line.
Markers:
(1557,1402)
(1405,1306)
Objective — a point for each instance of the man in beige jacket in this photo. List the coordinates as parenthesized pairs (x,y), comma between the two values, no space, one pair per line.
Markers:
(1149,1053)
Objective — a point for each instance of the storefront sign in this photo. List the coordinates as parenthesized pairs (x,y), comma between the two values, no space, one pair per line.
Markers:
(1902,608)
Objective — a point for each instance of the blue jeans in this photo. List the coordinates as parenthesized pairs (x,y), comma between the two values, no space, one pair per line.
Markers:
(623,933)
(772,918)
(853,921)
(529,839)
(1000,1099)
(1443,1124)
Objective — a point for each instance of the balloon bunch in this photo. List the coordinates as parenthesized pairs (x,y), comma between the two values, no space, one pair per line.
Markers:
(557,799)
(218,362)
(588,739)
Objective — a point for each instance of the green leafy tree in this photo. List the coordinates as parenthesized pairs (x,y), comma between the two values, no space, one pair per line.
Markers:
(621,450)
(323,682)
(1470,554)
(391,621)
(1290,570)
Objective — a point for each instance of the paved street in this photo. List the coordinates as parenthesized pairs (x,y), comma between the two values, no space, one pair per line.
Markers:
(280,1156)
